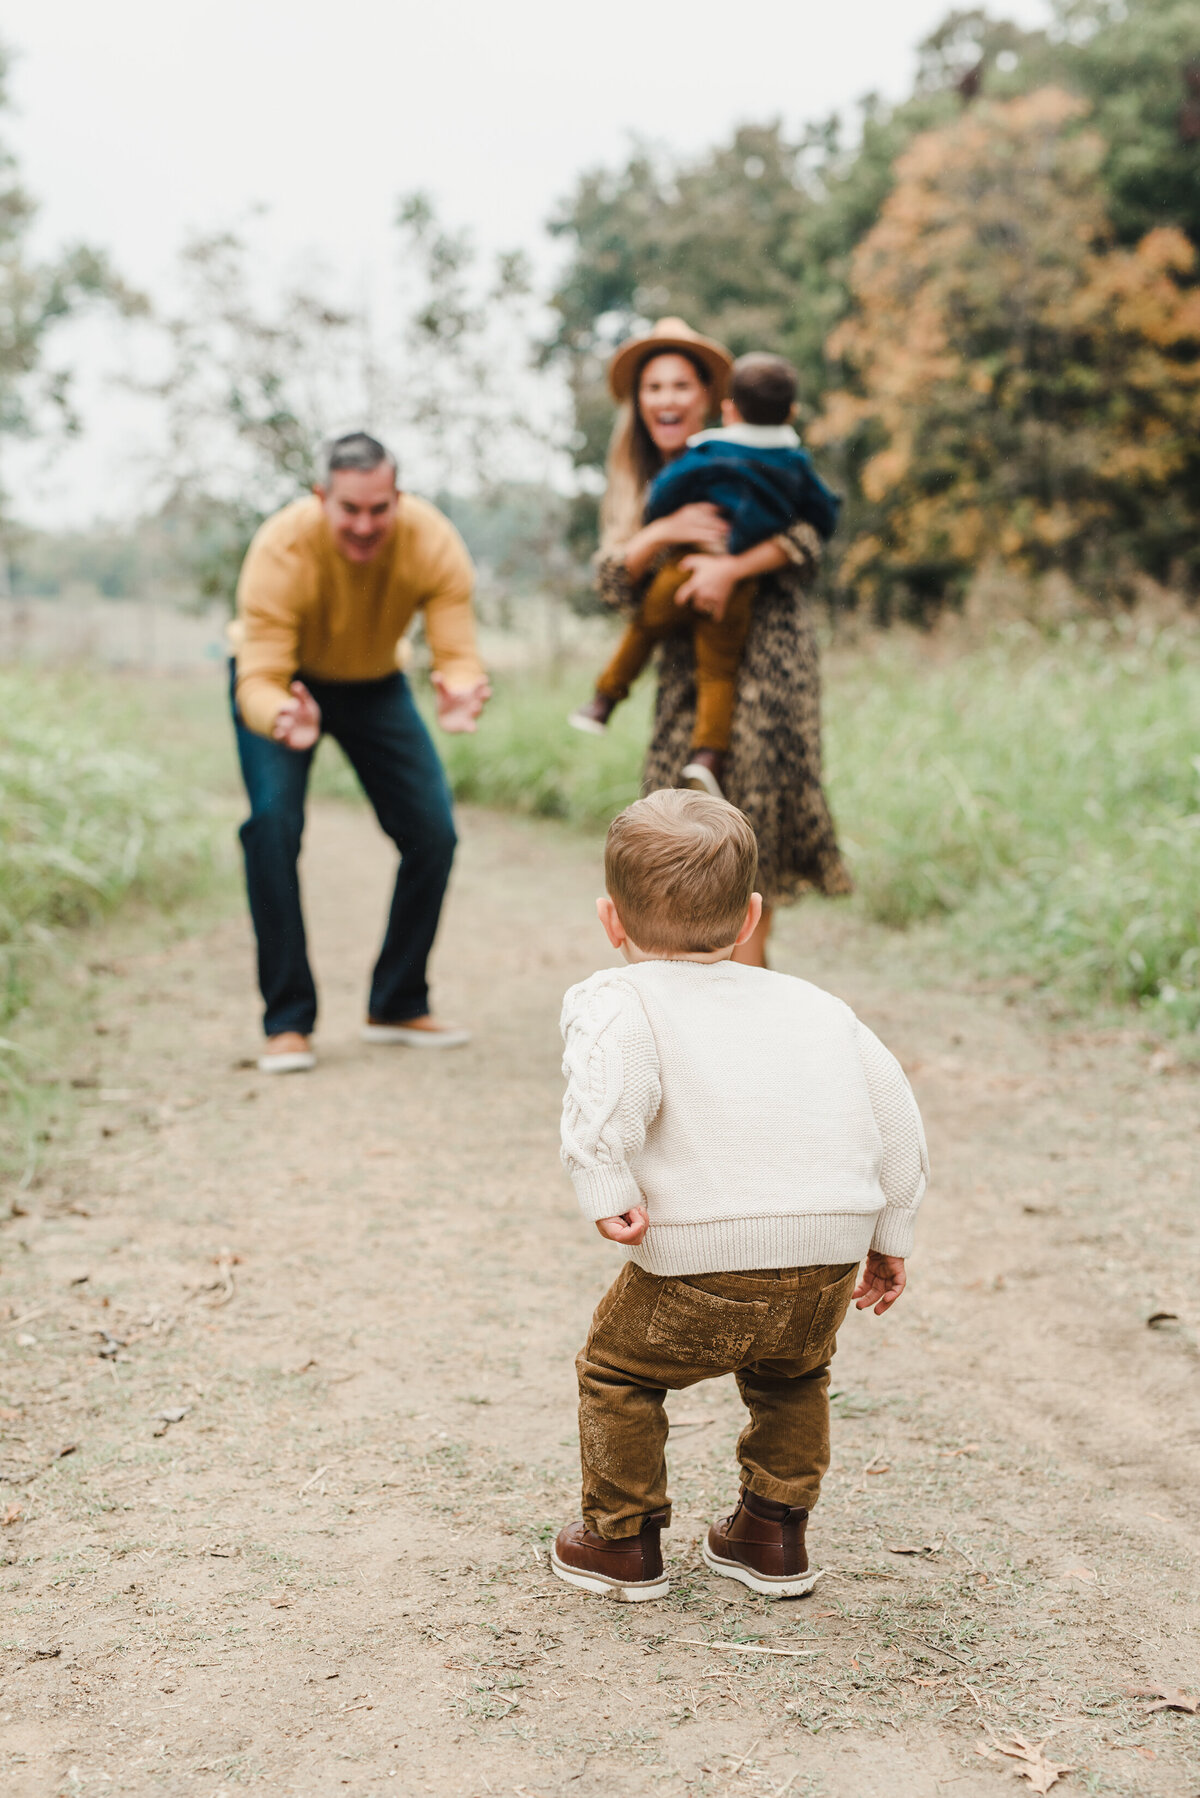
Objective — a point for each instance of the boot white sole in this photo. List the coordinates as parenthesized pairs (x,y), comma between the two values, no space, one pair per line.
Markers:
(298,1062)
(795,1587)
(400,1034)
(620,1591)
(591,727)
(702,780)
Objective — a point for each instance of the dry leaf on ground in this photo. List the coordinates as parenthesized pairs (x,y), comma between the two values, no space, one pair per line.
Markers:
(12,1514)
(1170,1698)
(1032,1763)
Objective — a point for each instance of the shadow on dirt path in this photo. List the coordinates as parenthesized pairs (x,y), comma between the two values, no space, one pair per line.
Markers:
(290,1416)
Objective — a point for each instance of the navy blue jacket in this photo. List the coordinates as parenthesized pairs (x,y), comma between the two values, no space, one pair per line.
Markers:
(761,491)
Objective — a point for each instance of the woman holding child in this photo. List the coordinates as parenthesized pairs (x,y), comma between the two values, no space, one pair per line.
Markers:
(668,384)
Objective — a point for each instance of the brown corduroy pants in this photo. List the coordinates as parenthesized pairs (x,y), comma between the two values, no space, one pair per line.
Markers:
(718,643)
(774,1329)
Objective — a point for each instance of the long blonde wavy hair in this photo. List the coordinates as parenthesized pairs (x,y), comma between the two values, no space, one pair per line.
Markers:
(633,460)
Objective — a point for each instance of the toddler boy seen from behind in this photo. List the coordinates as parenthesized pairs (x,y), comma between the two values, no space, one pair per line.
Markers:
(749,1142)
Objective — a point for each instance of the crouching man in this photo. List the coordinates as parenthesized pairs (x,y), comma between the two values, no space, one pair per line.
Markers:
(329,586)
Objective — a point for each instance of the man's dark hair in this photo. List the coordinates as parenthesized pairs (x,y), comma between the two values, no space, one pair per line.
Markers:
(356,450)
(763,388)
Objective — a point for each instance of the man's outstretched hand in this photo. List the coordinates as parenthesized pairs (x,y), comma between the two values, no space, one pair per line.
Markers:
(298,720)
(630,1227)
(458,711)
(881,1282)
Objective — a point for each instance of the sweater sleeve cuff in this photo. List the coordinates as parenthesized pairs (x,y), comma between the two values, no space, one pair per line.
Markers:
(894,1231)
(259,703)
(605,1190)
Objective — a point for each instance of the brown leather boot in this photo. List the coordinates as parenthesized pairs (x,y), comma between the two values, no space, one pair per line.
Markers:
(628,1569)
(762,1545)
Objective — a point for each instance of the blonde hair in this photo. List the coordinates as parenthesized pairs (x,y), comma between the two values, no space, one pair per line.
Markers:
(634,459)
(680,868)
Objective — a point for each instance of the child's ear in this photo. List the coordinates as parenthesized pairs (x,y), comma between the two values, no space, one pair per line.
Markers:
(729,413)
(750,924)
(614,930)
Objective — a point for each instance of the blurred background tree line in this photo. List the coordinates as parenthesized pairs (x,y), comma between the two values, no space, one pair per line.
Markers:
(990,291)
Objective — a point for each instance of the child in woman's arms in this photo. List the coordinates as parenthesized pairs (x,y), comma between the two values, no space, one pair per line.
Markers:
(756,472)
(749,1142)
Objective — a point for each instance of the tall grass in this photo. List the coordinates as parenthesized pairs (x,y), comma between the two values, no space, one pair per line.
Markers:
(87,816)
(526,757)
(1043,799)
(1036,804)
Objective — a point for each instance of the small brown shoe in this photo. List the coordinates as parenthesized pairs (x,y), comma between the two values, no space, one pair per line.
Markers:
(594,716)
(762,1545)
(628,1569)
(703,772)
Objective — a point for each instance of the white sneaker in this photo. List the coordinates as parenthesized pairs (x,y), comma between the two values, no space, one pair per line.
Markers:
(293,1061)
(702,780)
(442,1036)
(584,721)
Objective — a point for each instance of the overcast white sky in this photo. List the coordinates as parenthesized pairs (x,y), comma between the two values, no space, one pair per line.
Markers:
(137,121)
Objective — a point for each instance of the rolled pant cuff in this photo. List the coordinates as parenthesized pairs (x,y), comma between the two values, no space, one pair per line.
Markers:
(621,1529)
(781,1492)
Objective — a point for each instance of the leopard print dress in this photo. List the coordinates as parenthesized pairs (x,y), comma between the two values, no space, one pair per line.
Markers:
(773,768)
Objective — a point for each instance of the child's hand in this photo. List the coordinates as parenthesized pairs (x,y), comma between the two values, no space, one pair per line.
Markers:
(630,1227)
(883,1278)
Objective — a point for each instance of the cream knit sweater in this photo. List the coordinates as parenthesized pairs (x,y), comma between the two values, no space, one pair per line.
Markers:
(758,1122)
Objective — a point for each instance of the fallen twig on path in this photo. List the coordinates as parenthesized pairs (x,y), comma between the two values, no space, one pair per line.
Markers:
(313,1478)
(748,1648)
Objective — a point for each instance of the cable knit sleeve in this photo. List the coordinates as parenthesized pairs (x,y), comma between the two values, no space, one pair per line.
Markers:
(905,1171)
(613,1093)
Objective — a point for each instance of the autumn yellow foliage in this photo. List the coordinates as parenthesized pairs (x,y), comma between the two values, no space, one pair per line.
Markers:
(1016,389)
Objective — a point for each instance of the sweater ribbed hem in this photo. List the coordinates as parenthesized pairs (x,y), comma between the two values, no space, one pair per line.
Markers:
(822,1239)
(606,1190)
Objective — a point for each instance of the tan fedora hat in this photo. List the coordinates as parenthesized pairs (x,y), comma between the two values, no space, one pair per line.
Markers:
(668,334)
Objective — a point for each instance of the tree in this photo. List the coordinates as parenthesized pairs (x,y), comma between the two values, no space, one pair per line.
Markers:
(1137,62)
(36,297)
(1019,388)
(254,378)
(752,240)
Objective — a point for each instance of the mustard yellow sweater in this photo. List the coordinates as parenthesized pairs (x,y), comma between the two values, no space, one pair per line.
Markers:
(303,609)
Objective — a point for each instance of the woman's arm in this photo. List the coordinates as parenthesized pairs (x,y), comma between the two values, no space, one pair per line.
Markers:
(700,525)
(713,578)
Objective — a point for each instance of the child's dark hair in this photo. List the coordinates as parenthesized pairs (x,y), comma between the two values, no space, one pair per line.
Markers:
(763,388)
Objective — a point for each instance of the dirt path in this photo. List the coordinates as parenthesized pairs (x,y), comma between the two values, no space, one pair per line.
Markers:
(364,1289)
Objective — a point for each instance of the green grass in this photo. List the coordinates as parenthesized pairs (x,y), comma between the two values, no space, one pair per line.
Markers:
(1031,807)
(1042,799)
(1035,803)
(89,816)
(526,758)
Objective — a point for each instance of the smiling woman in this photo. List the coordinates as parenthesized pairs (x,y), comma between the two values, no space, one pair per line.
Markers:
(666,383)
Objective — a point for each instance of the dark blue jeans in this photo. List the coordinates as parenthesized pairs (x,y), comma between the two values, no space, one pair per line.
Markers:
(380,729)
